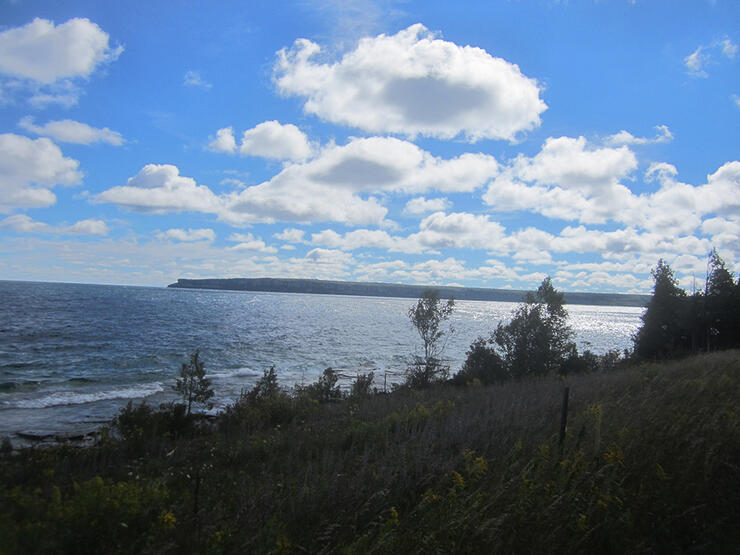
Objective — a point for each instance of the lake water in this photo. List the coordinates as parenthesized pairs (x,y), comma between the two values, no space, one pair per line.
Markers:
(72,355)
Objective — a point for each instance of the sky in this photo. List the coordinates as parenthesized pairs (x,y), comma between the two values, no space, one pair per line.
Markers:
(483,144)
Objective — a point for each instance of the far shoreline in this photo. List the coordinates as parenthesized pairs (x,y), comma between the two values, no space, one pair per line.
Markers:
(397,290)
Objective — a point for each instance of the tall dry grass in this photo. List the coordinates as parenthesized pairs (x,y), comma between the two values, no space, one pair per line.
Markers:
(649,464)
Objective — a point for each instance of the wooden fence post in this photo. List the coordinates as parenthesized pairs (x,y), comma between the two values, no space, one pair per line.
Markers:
(564,414)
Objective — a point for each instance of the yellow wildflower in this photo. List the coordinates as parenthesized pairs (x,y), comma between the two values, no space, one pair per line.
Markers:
(167,520)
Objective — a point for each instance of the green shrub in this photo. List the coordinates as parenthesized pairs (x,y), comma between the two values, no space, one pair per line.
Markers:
(264,406)
(142,422)
(483,364)
(325,389)
(363,386)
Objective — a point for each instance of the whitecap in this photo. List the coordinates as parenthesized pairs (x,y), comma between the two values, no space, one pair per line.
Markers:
(76,398)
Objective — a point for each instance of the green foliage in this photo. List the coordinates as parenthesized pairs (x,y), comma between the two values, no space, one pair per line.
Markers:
(325,389)
(266,388)
(535,342)
(142,423)
(427,317)
(580,363)
(483,364)
(663,329)
(193,384)
(721,313)
(264,406)
(675,324)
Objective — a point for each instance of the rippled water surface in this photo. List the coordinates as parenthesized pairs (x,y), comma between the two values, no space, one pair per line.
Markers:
(71,355)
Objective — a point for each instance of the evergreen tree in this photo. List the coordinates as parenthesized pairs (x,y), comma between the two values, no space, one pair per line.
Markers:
(722,304)
(666,323)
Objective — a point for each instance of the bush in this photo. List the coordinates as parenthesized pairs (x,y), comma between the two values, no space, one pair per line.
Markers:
(325,390)
(143,422)
(483,364)
(265,405)
(363,386)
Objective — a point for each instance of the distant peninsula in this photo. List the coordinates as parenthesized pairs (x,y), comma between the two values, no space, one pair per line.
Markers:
(327,287)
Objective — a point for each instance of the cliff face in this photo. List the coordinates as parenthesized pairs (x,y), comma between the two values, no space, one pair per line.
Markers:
(314,286)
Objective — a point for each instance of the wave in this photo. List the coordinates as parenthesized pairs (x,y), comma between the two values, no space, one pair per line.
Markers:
(236,373)
(75,398)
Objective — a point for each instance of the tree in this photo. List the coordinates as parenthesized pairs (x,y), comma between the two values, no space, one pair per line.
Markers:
(721,304)
(193,384)
(666,322)
(427,317)
(537,340)
(267,387)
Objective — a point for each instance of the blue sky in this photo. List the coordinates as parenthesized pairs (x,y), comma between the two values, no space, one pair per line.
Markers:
(476,143)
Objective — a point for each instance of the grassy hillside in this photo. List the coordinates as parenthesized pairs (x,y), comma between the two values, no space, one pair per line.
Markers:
(649,464)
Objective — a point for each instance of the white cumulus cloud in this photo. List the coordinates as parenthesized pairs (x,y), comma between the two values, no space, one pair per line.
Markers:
(21,223)
(377,164)
(664,135)
(187,235)
(341,184)
(70,131)
(269,139)
(29,168)
(459,230)
(160,188)
(568,179)
(224,141)
(248,242)
(88,227)
(45,52)
(413,83)
(329,257)
(421,205)
(329,187)
(367,238)
(290,234)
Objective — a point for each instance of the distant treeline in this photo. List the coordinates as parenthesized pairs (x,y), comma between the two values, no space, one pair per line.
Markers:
(325,287)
